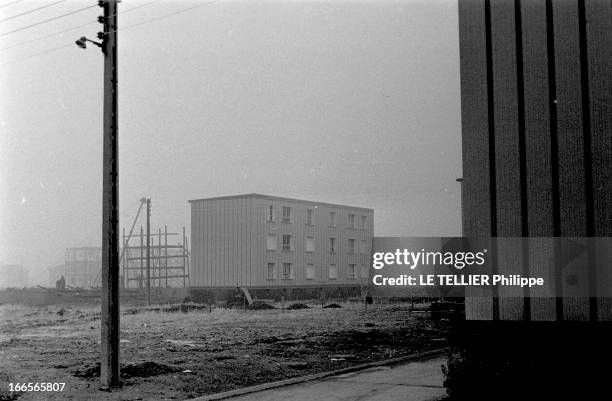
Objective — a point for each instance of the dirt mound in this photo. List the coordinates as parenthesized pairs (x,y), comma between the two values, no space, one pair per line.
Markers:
(332,306)
(5,394)
(260,306)
(267,340)
(287,341)
(235,302)
(184,307)
(298,306)
(88,372)
(144,369)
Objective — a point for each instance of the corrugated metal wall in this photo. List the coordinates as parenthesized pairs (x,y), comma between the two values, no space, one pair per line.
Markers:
(536,97)
(229,242)
(220,242)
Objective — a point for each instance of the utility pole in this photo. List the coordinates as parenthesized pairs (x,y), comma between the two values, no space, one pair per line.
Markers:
(148,251)
(184,258)
(141,281)
(109,341)
(159,258)
(460,181)
(124,277)
(166,253)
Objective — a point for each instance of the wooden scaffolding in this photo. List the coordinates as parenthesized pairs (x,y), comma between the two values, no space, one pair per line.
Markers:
(169,261)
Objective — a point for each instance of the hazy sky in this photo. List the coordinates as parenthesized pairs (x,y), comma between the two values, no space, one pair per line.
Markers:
(347,102)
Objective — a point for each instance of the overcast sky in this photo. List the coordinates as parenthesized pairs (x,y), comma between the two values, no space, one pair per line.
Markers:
(352,102)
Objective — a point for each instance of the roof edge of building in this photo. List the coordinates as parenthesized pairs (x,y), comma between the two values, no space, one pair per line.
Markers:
(279,198)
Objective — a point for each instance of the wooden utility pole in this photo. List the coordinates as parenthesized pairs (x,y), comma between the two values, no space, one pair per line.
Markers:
(166,253)
(124,277)
(460,181)
(184,258)
(142,275)
(148,251)
(159,257)
(109,341)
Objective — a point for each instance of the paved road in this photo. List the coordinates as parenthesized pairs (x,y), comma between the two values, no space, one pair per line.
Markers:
(414,381)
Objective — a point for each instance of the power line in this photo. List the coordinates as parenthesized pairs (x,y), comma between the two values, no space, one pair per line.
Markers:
(38,54)
(47,20)
(163,16)
(31,11)
(48,36)
(122,29)
(11,3)
(135,8)
(71,29)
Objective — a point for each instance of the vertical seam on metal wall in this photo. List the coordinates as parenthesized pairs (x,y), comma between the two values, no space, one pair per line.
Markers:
(522,151)
(521,118)
(552,105)
(554,145)
(491,126)
(586,118)
(588,156)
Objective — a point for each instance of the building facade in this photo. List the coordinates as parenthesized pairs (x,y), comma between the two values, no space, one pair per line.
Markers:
(536,100)
(536,103)
(81,267)
(13,276)
(261,241)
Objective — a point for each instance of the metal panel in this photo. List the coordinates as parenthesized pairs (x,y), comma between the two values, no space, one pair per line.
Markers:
(542,68)
(599,42)
(540,115)
(569,117)
(476,196)
(507,157)
(572,199)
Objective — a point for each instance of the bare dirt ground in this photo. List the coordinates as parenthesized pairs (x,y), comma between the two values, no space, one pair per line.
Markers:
(178,355)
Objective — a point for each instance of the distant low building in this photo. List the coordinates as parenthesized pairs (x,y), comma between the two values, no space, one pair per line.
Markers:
(260,241)
(81,267)
(13,276)
(55,273)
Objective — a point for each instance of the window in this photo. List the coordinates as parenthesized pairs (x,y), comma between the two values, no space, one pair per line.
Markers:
(363,249)
(271,271)
(352,273)
(364,271)
(351,245)
(351,221)
(332,219)
(364,220)
(270,216)
(286,214)
(271,242)
(310,272)
(287,271)
(332,245)
(310,245)
(287,242)
(333,272)
(309,216)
